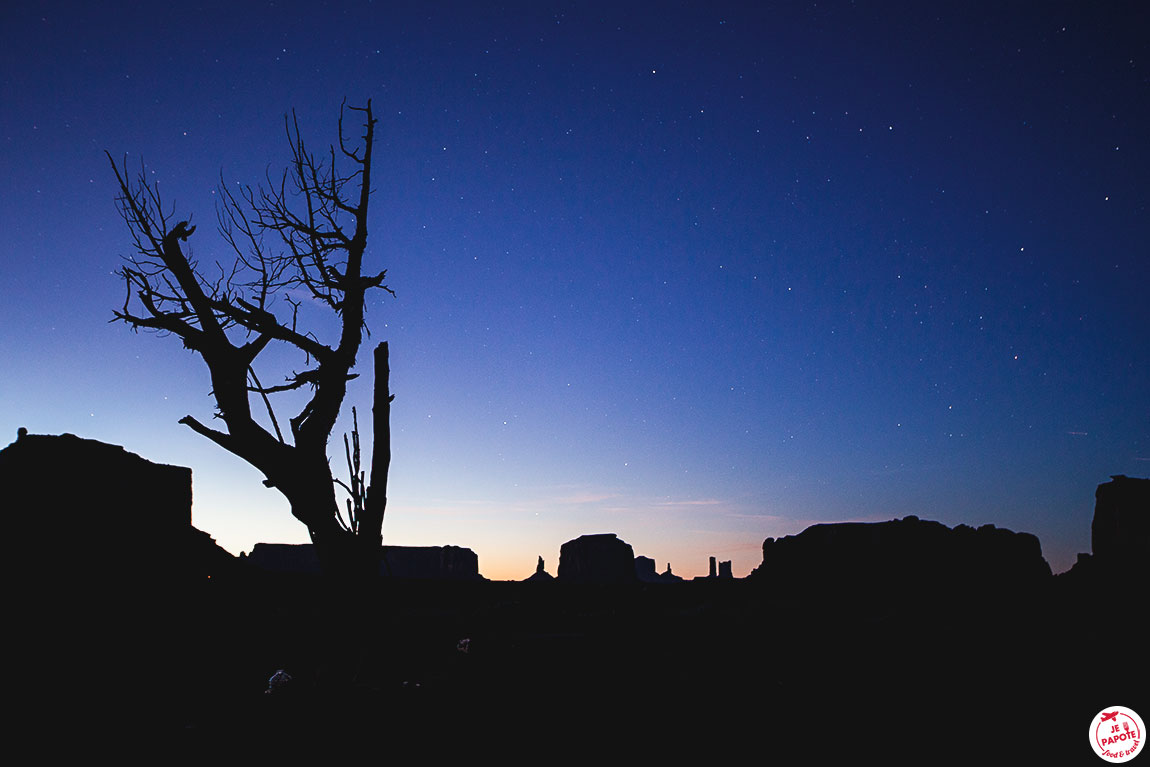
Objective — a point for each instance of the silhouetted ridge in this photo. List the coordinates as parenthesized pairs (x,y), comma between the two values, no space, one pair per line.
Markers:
(111,514)
(901,557)
(452,563)
(103,587)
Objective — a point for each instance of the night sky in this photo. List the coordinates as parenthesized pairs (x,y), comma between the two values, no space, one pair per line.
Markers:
(696,273)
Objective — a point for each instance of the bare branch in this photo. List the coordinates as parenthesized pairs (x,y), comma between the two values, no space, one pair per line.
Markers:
(223,440)
(267,403)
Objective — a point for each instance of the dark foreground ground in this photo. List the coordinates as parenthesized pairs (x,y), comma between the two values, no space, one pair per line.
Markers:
(789,673)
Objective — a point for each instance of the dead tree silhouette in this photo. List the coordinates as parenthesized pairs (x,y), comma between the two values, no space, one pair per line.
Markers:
(303,239)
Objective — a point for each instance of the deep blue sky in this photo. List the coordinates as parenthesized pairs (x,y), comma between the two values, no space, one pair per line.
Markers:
(694,273)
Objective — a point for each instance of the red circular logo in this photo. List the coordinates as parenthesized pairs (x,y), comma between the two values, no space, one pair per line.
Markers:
(1117,733)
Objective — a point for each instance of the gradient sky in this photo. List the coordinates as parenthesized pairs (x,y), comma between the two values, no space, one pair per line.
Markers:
(696,273)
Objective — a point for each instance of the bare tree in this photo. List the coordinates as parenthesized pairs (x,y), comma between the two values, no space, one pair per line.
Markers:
(300,238)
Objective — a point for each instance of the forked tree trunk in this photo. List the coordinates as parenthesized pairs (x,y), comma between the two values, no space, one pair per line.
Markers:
(343,553)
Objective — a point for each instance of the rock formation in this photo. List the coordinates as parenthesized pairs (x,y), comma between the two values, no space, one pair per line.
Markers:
(452,563)
(1120,531)
(448,563)
(96,511)
(102,558)
(907,556)
(540,575)
(645,572)
(715,570)
(601,558)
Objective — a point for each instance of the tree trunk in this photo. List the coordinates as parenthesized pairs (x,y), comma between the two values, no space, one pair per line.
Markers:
(371,529)
(341,552)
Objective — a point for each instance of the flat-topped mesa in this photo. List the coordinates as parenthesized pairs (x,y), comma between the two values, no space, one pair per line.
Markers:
(451,563)
(599,558)
(109,514)
(101,558)
(902,556)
